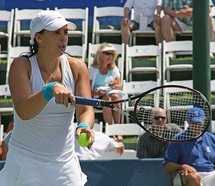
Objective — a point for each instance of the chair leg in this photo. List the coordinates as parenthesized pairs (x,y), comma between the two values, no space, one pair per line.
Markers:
(182,180)
(171,178)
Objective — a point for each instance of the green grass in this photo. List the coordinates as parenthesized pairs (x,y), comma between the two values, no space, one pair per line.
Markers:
(130,139)
(6,102)
(130,142)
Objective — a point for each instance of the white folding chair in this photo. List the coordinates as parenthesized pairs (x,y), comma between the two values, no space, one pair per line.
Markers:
(92,49)
(77,15)
(123,129)
(101,13)
(171,50)
(186,83)
(77,51)
(22,20)
(133,88)
(174,111)
(14,52)
(6,103)
(127,154)
(98,127)
(6,19)
(143,51)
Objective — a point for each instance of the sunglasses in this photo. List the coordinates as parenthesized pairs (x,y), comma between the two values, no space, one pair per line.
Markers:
(159,117)
(108,53)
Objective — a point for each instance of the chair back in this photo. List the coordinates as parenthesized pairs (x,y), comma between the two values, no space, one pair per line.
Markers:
(105,12)
(170,51)
(22,20)
(77,51)
(7,19)
(14,52)
(77,15)
(124,129)
(140,52)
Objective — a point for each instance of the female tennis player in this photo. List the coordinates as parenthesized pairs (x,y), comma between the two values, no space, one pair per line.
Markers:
(41,148)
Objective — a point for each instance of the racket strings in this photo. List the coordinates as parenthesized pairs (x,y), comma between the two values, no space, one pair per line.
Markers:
(176,101)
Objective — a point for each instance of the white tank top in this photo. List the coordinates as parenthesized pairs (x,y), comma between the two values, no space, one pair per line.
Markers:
(49,135)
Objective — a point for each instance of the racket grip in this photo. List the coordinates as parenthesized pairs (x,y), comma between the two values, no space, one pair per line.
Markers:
(86,101)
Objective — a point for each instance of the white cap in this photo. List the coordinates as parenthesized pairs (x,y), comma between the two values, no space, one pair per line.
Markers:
(49,20)
(107,48)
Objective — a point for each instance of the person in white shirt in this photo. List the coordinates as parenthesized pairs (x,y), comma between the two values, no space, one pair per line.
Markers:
(146,8)
(102,144)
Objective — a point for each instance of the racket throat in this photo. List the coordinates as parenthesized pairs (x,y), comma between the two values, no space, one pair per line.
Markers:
(120,111)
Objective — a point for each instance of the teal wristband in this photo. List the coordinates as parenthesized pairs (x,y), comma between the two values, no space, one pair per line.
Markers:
(47,90)
(83,125)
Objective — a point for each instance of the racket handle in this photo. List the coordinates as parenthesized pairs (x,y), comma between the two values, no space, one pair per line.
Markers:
(86,101)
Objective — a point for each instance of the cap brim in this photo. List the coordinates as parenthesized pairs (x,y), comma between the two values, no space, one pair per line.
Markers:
(71,26)
(108,49)
(196,120)
(57,24)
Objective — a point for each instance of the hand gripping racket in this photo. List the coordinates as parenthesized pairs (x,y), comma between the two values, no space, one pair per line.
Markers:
(175,99)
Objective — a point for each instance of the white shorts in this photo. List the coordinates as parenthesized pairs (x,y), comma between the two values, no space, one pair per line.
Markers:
(20,170)
(207,178)
(183,26)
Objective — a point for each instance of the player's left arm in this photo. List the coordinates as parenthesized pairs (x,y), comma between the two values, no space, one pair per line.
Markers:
(82,88)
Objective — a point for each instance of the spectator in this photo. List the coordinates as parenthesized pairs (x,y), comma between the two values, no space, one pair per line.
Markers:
(149,146)
(105,76)
(195,159)
(147,9)
(101,144)
(41,147)
(178,17)
(5,145)
(10,126)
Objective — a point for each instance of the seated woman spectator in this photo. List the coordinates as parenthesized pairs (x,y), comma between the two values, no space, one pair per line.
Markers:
(105,76)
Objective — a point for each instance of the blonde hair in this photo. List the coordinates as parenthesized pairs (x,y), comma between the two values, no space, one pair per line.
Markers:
(97,58)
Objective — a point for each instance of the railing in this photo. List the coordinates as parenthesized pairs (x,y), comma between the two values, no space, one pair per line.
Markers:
(145,172)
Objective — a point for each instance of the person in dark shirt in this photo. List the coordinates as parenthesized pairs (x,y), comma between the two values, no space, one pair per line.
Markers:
(149,146)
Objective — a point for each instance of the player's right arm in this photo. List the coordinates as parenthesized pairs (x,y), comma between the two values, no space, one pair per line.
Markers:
(26,104)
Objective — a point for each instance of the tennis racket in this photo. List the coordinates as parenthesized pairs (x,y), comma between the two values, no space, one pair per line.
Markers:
(175,99)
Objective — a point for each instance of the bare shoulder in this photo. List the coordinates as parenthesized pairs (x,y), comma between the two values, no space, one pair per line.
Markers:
(20,61)
(20,69)
(77,66)
(76,62)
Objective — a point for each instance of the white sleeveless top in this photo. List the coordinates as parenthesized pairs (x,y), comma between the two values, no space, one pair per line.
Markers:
(50,134)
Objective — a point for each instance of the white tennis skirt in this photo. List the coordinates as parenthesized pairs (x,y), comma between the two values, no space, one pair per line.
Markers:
(20,170)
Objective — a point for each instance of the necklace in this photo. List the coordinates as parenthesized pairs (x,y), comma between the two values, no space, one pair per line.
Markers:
(51,74)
